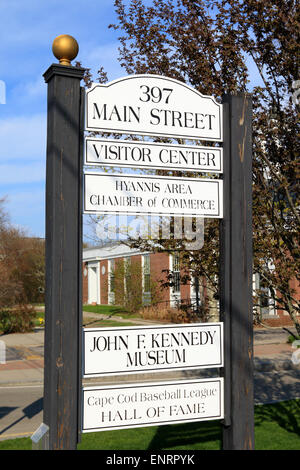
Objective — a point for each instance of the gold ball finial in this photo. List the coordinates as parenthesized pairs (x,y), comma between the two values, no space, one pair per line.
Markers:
(65,48)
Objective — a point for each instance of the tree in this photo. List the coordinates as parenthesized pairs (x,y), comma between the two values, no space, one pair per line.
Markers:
(10,288)
(30,269)
(126,284)
(21,264)
(216,46)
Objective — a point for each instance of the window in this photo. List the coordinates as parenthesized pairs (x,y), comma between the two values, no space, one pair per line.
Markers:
(176,273)
(112,275)
(266,301)
(146,274)
(195,291)
(127,265)
(266,304)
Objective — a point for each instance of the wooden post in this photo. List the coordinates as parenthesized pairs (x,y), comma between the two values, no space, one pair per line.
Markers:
(236,274)
(63,256)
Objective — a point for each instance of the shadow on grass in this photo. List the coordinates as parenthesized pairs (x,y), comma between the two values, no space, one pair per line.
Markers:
(203,435)
(113,310)
(277,426)
(285,414)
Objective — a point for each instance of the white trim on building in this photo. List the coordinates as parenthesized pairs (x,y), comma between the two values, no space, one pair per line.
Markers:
(93,275)
(93,256)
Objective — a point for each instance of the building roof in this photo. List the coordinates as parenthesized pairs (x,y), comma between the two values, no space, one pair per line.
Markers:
(115,250)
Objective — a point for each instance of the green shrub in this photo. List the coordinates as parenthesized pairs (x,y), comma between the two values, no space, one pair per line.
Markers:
(160,312)
(18,319)
(291,338)
(127,284)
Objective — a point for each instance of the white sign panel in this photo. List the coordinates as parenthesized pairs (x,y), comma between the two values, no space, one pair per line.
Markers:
(152,105)
(131,406)
(126,350)
(158,195)
(147,155)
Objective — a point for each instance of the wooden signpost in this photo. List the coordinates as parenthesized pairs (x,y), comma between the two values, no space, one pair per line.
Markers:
(146,105)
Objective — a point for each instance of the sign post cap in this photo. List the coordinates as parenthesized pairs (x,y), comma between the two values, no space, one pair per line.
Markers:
(65,48)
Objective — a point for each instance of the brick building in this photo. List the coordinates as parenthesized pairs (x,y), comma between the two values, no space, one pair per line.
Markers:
(99,264)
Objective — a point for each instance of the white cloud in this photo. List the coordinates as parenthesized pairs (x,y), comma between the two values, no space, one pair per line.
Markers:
(31,94)
(23,137)
(27,210)
(93,56)
(34,88)
(28,29)
(103,52)
(20,173)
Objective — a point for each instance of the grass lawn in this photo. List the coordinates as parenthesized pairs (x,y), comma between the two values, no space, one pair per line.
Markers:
(277,427)
(104,309)
(112,310)
(109,310)
(39,320)
(106,323)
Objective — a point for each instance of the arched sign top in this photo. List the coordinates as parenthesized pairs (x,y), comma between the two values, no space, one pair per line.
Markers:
(153,105)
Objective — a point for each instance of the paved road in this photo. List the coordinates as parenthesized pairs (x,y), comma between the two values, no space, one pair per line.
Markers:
(272,335)
(21,379)
(21,405)
(20,410)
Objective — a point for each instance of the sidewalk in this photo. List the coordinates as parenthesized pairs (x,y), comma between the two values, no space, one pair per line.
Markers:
(24,358)
(25,362)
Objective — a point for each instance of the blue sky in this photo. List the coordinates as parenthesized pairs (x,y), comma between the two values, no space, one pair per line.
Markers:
(28,28)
